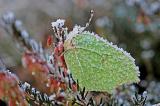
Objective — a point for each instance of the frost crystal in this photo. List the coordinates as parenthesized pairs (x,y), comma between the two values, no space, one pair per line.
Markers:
(76,30)
(8,17)
(58,24)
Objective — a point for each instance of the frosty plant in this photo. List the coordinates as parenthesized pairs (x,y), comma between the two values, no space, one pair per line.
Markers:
(97,64)
(79,59)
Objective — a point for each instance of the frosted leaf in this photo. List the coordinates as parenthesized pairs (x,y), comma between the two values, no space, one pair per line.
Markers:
(98,64)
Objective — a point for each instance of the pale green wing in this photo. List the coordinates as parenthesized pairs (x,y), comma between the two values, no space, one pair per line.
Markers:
(97,64)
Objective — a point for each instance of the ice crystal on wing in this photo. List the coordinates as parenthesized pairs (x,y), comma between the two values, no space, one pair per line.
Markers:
(76,30)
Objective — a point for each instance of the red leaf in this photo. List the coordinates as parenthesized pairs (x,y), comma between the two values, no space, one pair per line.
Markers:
(49,40)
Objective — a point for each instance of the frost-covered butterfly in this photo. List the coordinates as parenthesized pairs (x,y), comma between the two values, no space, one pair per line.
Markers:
(96,63)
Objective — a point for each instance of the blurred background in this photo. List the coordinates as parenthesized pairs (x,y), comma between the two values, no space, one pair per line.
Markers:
(133,25)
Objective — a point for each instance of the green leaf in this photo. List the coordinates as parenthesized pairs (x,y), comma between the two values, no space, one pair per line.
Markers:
(97,64)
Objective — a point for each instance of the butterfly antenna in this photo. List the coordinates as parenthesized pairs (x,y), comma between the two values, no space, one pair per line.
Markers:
(90,19)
